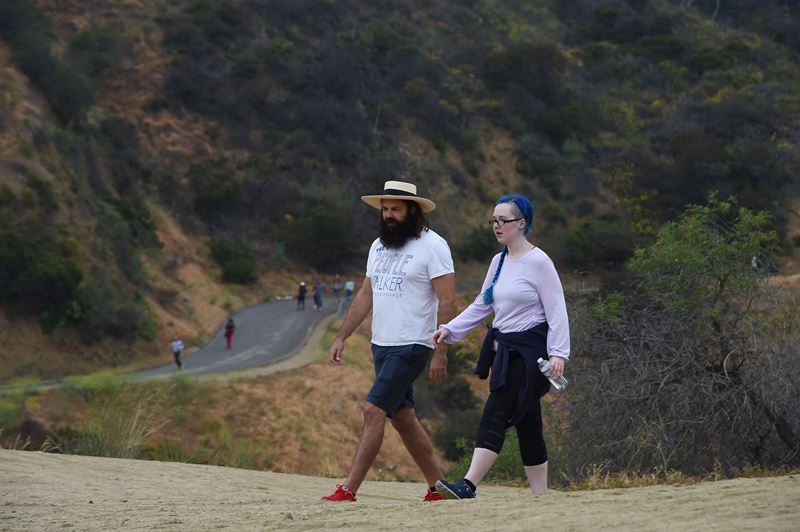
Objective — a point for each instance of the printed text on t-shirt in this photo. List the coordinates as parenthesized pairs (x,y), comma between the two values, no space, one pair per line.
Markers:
(392,266)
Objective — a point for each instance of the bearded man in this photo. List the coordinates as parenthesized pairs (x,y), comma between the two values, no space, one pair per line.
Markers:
(409,288)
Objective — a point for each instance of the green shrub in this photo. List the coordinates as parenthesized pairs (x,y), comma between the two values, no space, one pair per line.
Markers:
(708,58)
(39,274)
(10,411)
(236,259)
(214,189)
(103,312)
(117,417)
(98,48)
(507,467)
(479,243)
(27,30)
(248,65)
(44,191)
(7,195)
(603,242)
(323,231)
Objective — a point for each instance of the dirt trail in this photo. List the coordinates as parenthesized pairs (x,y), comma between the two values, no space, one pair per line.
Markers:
(49,492)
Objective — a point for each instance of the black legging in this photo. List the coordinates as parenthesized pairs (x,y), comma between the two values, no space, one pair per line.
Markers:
(497,412)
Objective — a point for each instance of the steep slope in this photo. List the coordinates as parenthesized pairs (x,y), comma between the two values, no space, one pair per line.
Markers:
(140,138)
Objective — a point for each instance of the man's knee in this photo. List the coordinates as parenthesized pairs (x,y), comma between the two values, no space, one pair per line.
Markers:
(373,413)
(405,419)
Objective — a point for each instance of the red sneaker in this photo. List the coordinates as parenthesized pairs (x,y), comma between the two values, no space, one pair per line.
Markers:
(432,496)
(342,494)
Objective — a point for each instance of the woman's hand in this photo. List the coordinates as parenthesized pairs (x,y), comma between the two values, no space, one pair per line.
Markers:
(556,367)
(439,336)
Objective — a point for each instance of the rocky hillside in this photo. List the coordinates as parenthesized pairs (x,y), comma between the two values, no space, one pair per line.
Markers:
(162,163)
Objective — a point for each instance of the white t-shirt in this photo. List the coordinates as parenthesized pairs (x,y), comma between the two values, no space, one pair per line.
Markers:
(177,345)
(404,303)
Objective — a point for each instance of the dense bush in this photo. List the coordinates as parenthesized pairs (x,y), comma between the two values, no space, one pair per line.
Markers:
(236,259)
(689,355)
(26,29)
(97,49)
(102,312)
(214,188)
(39,275)
(604,243)
(477,244)
(321,232)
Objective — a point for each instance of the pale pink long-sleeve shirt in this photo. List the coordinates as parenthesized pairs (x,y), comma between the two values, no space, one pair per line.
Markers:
(527,293)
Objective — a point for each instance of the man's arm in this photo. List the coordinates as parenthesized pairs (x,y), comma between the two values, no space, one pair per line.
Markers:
(445,288)
(359,309)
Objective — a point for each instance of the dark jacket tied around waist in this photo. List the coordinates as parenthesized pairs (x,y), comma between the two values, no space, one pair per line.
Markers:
(531,345)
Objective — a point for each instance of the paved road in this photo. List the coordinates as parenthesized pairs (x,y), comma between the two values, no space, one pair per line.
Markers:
(265,333)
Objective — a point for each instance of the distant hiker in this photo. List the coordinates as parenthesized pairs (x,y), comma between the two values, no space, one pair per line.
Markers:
(349,288)
(523,291)
(301,296)
(177,348)
(319,289)
(408,288)
(230,327)
(336,288)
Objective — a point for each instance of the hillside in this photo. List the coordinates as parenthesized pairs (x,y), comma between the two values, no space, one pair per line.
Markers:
(55,491)
(162,163)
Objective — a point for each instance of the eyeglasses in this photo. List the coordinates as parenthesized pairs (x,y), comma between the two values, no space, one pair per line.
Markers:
(501,222)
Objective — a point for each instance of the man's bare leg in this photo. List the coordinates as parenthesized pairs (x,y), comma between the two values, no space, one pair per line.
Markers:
(368,445)
(418,444)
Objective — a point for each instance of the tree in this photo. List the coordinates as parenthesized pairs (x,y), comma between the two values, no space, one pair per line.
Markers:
(679,371)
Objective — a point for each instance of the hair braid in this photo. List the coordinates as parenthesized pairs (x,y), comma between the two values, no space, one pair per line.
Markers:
(488,295)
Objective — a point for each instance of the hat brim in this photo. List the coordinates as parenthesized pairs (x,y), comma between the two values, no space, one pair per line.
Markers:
(375,201)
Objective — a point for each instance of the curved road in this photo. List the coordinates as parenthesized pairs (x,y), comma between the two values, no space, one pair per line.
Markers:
(265,333)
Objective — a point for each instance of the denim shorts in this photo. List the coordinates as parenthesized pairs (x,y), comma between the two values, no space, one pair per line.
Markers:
(396,369)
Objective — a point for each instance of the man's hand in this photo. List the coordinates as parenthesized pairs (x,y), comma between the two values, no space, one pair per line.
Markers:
(335,355)
(556,367)
(438,370)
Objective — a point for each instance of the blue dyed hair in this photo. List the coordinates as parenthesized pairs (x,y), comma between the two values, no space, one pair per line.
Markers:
(525,208)
(523,205)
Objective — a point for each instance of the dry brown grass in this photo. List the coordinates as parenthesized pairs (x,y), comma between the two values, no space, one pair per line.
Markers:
(305,421)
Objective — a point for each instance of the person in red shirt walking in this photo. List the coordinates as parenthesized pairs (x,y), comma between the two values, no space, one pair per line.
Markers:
(230,327)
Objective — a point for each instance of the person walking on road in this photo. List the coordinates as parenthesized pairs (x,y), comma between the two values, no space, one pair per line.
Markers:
(301,296)
(349,288)
(319,290)
(336,288)
(230,327)
(524,292)
(177,349)
(409,287)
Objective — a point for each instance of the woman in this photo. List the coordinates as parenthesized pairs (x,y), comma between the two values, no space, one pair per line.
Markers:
(524,292)
(230,327)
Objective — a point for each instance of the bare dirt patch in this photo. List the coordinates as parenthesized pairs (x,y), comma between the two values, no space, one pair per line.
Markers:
(49,492)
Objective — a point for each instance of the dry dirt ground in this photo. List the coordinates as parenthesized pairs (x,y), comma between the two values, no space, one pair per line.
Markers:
(53,492)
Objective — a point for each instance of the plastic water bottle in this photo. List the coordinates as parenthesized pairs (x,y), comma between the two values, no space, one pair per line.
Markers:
(559,383)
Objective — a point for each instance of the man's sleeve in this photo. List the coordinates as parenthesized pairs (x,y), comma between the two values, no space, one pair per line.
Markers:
(370,257)
(441,261)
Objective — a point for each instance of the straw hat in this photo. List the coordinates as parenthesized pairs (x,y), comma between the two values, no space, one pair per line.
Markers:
(401,191)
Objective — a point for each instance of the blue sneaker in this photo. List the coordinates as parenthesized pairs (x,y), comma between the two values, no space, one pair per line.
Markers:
(456,490)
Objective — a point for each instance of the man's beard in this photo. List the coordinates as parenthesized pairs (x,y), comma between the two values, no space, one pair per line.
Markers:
(394,234)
